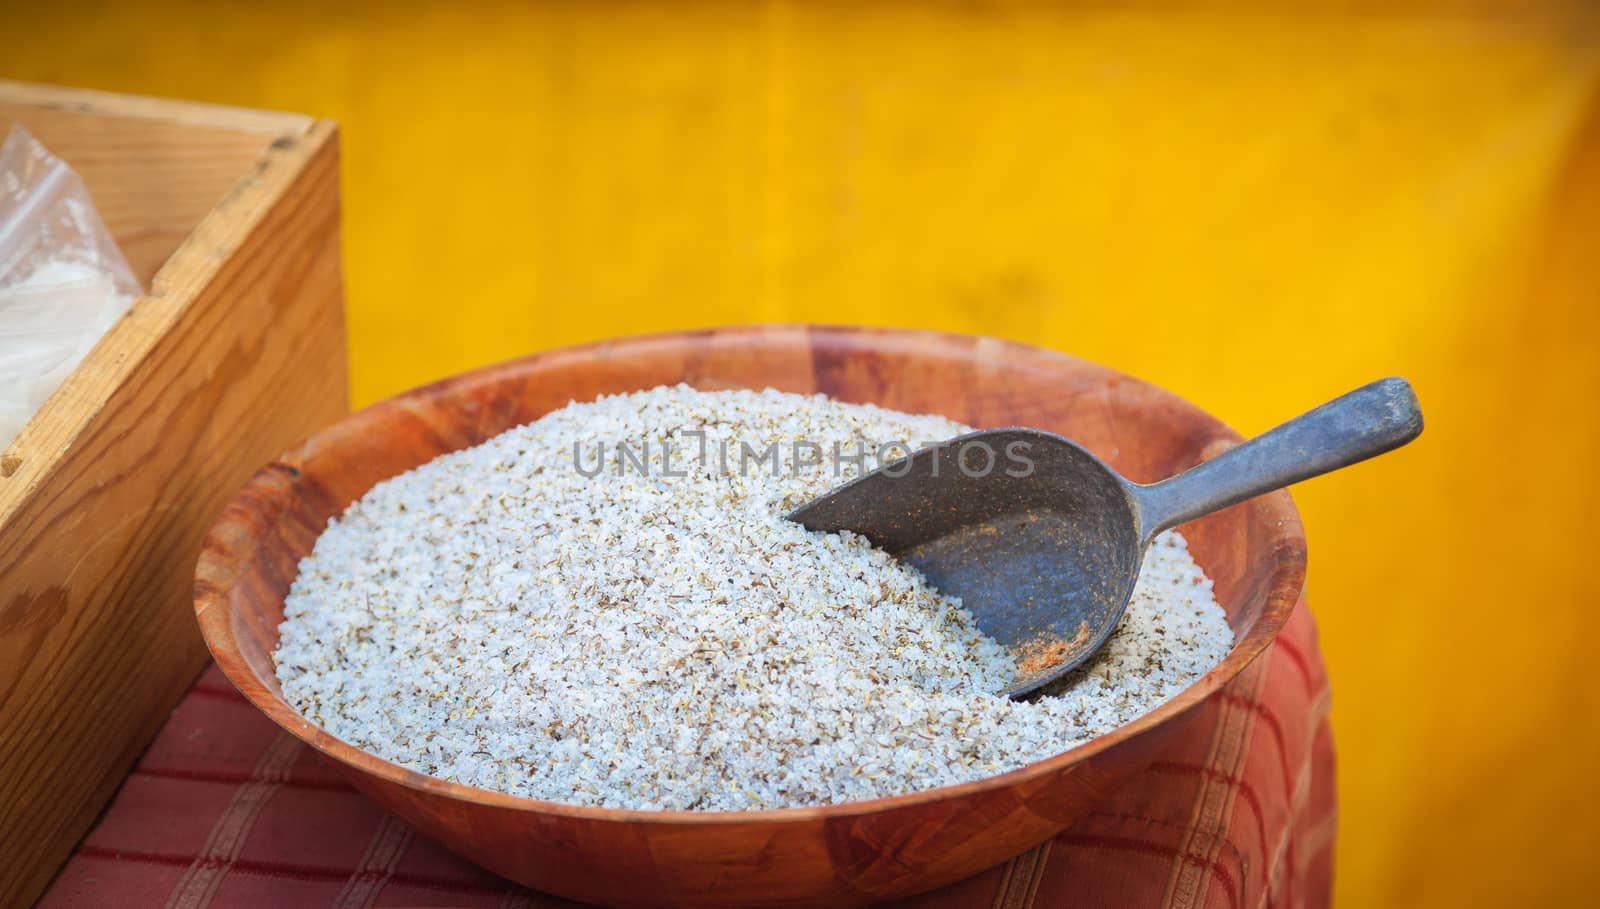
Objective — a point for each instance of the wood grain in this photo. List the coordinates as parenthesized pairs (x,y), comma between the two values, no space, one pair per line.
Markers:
(844,854)
(155,168)
(237,350)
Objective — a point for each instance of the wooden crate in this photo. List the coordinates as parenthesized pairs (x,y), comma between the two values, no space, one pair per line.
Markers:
(230,218)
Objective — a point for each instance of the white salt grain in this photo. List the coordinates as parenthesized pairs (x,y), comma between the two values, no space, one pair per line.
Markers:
(49,321)
(642,640)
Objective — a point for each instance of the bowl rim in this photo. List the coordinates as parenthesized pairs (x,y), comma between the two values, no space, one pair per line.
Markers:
(222,550)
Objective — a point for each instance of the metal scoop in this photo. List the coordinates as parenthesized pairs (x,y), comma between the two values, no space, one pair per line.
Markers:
(1043,542)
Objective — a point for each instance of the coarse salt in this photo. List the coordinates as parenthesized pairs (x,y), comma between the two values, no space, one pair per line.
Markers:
(655,635)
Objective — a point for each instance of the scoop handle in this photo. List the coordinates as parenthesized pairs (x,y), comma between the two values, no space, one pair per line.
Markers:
(1365,423)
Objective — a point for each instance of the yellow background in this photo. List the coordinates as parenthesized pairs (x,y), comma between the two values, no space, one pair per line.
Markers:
(1255,208)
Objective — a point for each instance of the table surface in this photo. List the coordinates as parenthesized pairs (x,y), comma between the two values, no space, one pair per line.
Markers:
(227,810)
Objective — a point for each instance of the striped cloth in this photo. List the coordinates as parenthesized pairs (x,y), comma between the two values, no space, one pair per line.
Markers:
(225,810)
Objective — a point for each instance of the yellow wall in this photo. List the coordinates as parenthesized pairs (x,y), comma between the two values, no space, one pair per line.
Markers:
(1256,209)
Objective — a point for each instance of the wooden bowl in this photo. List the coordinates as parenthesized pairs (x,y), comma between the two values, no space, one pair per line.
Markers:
(846,854)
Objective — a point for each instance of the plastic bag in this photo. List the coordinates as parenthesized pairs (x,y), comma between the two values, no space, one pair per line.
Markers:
(63,281)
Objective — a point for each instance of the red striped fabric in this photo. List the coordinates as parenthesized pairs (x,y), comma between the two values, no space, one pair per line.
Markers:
(224,810)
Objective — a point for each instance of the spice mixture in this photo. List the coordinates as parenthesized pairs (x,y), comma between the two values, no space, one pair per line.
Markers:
(606,607)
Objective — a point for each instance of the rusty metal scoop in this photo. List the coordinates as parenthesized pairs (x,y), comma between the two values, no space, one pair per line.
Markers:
(1043,542)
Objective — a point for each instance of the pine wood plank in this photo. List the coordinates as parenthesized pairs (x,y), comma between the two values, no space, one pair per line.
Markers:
(237,351)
